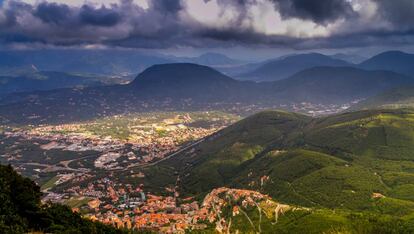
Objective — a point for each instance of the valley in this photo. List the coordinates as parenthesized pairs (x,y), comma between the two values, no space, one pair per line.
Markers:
(184,147)
(157,170)
(206,116)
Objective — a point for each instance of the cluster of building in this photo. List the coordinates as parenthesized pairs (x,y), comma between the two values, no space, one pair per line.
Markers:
(126,206)
(146,142)
(318,109)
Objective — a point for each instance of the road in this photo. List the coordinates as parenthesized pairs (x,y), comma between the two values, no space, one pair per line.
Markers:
(65,164)
(53,167)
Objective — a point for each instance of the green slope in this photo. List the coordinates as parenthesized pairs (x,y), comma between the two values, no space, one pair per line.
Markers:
(339,161)
(265,215)
(402,97)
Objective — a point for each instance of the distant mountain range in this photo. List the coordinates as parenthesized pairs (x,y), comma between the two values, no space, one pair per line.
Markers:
(119,63)
(99,61)
(287,66)
(337,84)
(395,61)
(184,86)
(37,81)
(108,62)
(211,59)
(350,58)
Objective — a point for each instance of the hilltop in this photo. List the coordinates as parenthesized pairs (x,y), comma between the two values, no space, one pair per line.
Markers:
(192,81)
(395,61)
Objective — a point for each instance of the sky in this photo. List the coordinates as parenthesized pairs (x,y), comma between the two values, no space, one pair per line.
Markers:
(240,27)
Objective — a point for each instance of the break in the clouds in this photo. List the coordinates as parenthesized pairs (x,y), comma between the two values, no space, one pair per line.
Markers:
(207,23)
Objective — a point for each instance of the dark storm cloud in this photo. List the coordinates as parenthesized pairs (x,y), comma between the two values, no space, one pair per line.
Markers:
(320,11)
(399,12)
(100,17)
(52,12)
(166,24)
(62,14)
(167,6)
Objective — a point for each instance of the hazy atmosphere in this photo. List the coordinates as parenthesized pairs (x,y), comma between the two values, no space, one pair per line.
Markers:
(207,116)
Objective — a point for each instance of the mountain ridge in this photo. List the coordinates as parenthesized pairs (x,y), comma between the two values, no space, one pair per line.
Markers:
(283,68)
(186,86)
(299,160)
(396,61)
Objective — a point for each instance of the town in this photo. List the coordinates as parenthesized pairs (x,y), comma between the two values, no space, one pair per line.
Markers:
(119,142)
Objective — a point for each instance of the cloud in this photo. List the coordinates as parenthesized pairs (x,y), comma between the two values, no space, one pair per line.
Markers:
(207,23)
(399,13)
(320,11)
(52,12)
(99,17)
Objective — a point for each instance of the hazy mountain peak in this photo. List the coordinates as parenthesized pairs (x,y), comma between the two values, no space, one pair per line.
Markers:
(396,61)
(283,68)
(174,72)
(214,55)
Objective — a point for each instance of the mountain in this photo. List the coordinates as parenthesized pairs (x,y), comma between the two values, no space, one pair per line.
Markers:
(22,211)
(395,61)
(211,59)
(337,84)
(98,62)
(287,66)
(401,97)
(190,81)
(350,58)
(178,86)
(360,161)
(183,86)
(238,69)
(36,81)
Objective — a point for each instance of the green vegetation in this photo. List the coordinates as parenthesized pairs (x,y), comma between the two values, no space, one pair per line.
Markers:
(22,212)
(359,161)
(347,173)
(76,202)
(50,183)
(312,221)
(402,97)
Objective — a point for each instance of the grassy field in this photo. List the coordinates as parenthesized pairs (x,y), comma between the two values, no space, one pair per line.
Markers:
(50,183)
(77,202)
